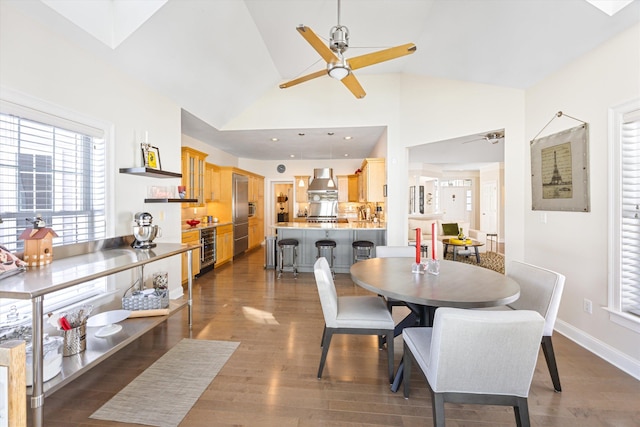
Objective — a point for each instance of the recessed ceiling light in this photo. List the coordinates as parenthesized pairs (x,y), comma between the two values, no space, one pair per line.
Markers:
(346,155)
(275,139)
(348,137)
(292,155)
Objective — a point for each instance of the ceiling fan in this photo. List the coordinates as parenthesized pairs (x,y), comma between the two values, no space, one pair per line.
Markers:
(338,66)
(492,137)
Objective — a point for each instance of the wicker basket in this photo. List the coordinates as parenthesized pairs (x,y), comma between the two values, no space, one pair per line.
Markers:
(145,302)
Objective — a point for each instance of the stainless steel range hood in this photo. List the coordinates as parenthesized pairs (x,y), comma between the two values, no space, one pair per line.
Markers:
(323,182)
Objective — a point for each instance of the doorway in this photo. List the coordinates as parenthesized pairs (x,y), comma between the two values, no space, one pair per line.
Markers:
(282,208)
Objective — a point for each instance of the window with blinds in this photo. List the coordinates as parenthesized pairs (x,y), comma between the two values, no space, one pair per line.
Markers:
(630,213)
(53,167)
(624,288)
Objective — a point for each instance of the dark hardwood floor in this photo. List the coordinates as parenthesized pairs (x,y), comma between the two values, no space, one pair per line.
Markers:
(271,378)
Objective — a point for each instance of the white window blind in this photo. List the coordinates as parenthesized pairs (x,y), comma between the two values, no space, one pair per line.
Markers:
(54,167)
(630,213)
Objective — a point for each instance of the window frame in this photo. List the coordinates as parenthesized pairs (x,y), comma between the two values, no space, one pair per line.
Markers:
(614,305)
(53,114)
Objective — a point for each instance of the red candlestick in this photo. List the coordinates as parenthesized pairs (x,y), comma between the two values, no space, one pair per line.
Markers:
(433,240)
(418,235)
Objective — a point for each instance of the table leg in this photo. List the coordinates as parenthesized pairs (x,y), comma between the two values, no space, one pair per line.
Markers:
(190,287)
(477,255)
(37,395)
(446,248)
(454,252)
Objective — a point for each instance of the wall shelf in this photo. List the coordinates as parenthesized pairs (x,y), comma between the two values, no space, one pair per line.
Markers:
(156,173)
(171,200)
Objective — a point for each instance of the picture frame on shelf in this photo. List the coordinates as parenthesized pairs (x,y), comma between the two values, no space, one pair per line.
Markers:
(151,156)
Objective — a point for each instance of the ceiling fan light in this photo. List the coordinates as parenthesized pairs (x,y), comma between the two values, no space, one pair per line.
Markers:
(338,71)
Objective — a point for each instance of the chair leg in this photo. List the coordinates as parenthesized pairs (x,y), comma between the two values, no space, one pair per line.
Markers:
(390,357)
(521,411)
(326,341)
(407,361)
(549,355)
(324,332)
(437,404)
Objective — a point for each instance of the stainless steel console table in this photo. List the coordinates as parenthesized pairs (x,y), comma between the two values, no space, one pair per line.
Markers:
(79,263)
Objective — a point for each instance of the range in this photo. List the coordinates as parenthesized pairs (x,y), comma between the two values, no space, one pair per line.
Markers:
(323,197)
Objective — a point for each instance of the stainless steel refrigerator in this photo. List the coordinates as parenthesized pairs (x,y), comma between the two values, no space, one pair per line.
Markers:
(240,214)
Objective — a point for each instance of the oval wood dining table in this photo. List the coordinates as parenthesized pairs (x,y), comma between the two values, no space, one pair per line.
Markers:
(457,285)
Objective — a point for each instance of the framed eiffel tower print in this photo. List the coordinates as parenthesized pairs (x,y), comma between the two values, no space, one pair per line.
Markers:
(560,171)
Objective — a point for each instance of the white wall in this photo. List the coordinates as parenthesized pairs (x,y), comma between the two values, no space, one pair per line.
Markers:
(40,64)
(576,243)
(416,110)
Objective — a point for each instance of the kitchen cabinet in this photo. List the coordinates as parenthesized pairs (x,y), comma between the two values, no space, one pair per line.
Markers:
(347,188)
(371,181)
(256,232)
(256,188)
(191,237)
(301,190)
(211,183)
(193,171)
(224,244)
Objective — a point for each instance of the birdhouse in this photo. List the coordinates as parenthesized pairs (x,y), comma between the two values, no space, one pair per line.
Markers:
(38,246)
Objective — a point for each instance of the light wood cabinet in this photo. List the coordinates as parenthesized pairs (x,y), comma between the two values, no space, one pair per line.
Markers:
(348,188)
(224,244)
(256,222)
(371,181)
(256,188)
(193,174)
(192,237)
(211,182)
(254,236)
(301,190)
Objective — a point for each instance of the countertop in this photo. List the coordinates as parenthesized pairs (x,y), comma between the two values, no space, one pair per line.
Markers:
(355,225)
(204,225)
(73,270)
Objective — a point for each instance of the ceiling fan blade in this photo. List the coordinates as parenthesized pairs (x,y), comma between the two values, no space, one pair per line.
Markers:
(317,43)
(303,79)
(381,56)
(354,86)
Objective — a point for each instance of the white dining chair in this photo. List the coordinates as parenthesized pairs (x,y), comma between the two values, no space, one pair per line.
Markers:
(540,290)
(395,252)
(361,315)
(476,356)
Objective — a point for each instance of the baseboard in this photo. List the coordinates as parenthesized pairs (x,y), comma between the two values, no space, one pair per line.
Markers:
(606,352)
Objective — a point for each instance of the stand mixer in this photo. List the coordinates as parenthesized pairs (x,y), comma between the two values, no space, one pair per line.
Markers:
(144,232)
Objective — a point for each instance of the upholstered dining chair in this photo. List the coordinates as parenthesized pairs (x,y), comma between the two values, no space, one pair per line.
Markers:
(395,251)
(476,356)
(361,315)
(540,290)
(392,252)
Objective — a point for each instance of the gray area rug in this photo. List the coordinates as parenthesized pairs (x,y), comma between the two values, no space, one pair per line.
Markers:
(165,392)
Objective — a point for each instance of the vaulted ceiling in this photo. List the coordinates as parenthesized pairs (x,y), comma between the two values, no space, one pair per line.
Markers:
(215,58)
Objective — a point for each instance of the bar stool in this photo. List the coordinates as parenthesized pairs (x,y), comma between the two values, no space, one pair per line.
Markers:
(361,250)
(324,246)
(288,248)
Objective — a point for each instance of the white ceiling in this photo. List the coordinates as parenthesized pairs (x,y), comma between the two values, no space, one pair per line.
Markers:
(203,54)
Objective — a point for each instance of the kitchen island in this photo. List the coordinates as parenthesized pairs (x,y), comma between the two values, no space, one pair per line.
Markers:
(344,234)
